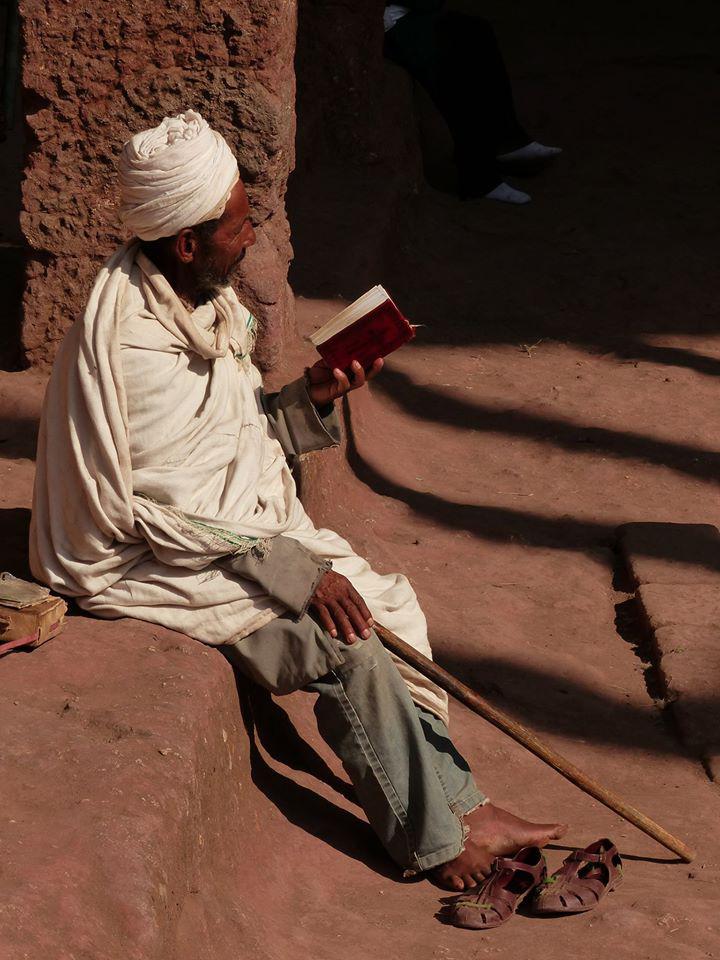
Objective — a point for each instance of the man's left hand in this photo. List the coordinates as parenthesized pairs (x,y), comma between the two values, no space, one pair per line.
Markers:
(325,384)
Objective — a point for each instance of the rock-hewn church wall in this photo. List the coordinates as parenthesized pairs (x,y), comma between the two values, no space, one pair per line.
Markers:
(97,71)
(358,158)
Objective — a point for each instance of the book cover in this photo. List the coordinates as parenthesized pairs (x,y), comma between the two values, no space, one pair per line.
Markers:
(378,332)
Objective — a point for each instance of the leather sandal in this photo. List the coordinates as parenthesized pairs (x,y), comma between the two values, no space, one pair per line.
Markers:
(496,899)
(584,879)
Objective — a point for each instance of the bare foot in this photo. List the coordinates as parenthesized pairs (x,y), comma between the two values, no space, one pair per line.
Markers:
(493,833)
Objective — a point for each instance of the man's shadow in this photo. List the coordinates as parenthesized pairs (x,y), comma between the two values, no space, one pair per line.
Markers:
(269,726)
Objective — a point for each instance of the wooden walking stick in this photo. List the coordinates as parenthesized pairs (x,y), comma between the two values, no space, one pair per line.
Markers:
(479,705)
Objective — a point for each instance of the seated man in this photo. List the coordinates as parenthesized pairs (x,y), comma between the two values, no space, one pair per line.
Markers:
(162,492)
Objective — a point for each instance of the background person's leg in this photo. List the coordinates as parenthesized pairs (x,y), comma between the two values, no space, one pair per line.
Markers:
(456,58)
(478,101)
(473,42)
(423,45)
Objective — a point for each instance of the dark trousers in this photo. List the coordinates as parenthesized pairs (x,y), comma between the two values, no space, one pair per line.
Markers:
(456,58)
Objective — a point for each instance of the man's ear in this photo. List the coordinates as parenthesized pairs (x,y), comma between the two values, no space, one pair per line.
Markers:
(186,245)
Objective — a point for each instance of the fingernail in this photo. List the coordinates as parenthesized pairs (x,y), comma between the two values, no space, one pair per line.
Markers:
(333,633)
(366,634)
(351,638)
(371,622)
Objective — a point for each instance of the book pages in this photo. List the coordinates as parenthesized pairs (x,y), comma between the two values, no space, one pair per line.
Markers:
(358,308)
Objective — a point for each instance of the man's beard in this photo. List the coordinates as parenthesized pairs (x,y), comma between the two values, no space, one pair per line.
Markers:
(210,279)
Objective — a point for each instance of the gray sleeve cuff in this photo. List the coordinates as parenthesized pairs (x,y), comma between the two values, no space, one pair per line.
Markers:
(286,571)
(299,425)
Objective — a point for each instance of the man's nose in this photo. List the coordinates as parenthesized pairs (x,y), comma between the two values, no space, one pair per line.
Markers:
(251,238)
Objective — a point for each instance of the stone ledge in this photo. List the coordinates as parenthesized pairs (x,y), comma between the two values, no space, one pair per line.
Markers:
(688,662)
(675,569)
(130,809)
(671,552)
(118,741)
(680,605)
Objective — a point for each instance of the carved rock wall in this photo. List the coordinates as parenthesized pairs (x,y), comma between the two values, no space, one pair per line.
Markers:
(358,156)
(95,72)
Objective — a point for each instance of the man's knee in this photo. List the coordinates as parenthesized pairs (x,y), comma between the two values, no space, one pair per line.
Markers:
(362,653)
(285,655)
(367,655)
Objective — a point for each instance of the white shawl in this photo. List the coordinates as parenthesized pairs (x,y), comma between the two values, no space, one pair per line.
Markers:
(135,500)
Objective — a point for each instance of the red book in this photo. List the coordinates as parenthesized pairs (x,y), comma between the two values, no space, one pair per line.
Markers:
(369,328)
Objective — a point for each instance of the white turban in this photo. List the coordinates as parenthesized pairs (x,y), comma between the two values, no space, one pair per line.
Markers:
(176,175)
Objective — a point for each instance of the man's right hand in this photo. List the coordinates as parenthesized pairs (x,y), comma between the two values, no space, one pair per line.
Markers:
(340,609)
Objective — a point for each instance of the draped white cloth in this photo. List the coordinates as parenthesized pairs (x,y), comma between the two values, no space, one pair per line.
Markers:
(175,175)
(156,460)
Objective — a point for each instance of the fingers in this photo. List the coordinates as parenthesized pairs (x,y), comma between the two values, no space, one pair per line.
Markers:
(341,379)
(343,623)
(326,621)
(358,375)
(320,372)
(359,603)
(375,369)
(340,609)
(358,621)
(349,621)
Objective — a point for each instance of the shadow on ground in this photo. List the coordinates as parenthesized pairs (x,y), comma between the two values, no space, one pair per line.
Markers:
(18,438)
(15,528)
(427,403)
(499,524)
(268,726)
(617,244)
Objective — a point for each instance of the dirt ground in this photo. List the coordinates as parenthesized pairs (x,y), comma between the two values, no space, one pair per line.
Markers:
(565,382)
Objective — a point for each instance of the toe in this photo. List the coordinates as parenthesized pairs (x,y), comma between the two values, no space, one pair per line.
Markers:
(449,881)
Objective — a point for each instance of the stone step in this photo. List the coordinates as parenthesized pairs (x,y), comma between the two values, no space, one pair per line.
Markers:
(675,570)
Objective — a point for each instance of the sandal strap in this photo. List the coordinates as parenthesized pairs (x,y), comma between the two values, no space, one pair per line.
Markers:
(604,857)
(492,903)
(536,871)
(490,895)
(588,857)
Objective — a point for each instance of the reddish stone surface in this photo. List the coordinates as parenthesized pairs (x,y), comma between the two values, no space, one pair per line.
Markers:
(95,72)
(688,659)
(495,477)
(358,157)
(117,739)
(680,605)
(12,245)
(675,567)
(671,552)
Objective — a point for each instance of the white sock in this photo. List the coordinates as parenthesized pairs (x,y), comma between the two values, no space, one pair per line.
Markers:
(507,194)
(531,151)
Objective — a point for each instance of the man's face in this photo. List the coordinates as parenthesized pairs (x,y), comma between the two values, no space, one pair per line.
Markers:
(220,252)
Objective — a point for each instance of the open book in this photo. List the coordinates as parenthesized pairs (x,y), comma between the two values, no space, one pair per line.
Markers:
(369,328)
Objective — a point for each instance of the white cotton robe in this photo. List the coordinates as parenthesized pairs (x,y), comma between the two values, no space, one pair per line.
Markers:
(157,459)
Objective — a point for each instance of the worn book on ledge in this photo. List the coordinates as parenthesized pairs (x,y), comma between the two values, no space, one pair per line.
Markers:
(29,614)
(369,328)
